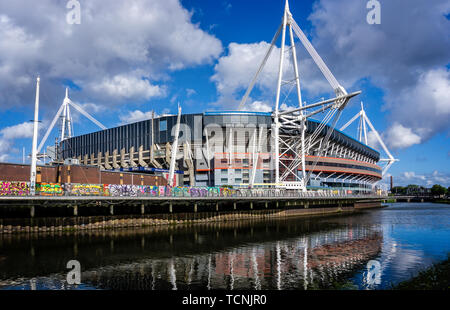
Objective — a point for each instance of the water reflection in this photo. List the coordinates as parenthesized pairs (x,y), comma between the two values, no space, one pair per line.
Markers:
(304,253)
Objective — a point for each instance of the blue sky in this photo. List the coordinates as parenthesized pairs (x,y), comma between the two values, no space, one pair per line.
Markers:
(128,58)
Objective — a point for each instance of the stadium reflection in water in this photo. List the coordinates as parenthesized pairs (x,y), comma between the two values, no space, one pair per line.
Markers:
(303,253)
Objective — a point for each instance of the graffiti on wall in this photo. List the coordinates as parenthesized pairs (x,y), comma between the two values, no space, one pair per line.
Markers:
(14,188)
(75,189)
(118,190)
(49,189)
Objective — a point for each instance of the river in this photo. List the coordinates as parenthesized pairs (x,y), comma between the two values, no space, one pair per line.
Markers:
(371,249)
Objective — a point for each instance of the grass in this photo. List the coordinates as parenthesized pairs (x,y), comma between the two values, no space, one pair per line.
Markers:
(437,277)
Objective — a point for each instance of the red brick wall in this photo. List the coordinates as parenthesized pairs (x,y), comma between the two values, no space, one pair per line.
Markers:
(78,174)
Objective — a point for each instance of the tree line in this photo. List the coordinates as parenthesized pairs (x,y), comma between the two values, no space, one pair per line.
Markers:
(412,189)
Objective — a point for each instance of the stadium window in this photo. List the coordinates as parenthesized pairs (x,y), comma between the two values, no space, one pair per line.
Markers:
(163,125)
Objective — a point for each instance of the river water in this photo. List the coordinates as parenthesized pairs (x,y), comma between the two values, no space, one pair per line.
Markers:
(372,249)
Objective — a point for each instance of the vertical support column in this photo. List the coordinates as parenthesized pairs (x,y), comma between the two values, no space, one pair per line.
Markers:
(142,209)
(251,205)
(234,206)
(111,209)
(170,208)
(217,206)
(75,210)
(68,174)
(300,104)
(174,149)
(152,142)
(266,204)
(34,145)
(195,207)
(32,212)
(277,123)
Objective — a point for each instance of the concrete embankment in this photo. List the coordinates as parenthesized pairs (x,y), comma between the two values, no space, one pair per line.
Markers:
(83,223)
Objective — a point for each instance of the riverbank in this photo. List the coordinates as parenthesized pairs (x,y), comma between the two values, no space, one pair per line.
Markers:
(437,277)
(42,225)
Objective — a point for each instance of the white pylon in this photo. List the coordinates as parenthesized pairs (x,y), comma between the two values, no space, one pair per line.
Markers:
(363,134)
(174,148)
(66,122)
(289,127)
(33,147)
(67,125)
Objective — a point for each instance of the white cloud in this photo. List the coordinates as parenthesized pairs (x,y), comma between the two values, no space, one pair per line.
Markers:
(9,134)
(91,107)
(259,106)
(23,130)
(391,55)
(190,92)
(135,116)
(234,72)
(5,146)
(102,54)
(399,137)
(425,179)
(425,105)
(122,87)
(372,140)
(406,56)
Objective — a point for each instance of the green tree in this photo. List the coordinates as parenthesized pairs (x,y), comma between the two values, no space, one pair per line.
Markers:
(438,190)
(398,190)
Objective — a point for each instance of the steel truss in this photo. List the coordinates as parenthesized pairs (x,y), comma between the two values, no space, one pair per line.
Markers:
(66,120)
(289,127)
(363,136)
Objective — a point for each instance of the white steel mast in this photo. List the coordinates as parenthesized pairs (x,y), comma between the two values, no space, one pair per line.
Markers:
(67,124)
(33,148)
(174,148)
(289,127)
(362,133)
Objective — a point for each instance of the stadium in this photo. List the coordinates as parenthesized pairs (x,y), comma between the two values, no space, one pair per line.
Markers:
(295,146)
(223,148)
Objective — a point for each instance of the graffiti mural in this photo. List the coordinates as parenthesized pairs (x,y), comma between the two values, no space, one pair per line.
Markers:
(75,189)
(8,188)
(49,189)
(125,190)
